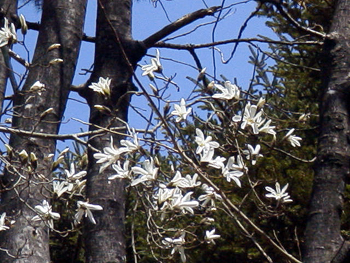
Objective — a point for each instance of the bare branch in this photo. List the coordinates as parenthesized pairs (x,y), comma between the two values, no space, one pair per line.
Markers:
(247,40)
(183,21)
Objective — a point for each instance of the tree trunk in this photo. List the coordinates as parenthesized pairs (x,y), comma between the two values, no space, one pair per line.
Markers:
(116,56)
(62,22)
(323,241)
(7,8)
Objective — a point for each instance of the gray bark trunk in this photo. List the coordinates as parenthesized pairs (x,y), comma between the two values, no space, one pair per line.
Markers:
(7,8)
(116,56)
(323,241)
(62,22)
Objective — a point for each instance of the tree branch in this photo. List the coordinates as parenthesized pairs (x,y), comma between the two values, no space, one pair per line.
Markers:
(183,21)
(223,42)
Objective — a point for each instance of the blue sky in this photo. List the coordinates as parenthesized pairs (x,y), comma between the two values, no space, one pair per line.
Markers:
(146,20)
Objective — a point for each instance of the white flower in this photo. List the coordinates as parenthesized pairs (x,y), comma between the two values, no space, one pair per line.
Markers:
(122,172)
(261,102)
(37,87)
(229,92)
(218,162)
(45,213)
(234,171)
(131,146)
(266,128)
(207,155)
(155,66)
(183,203)
(253,154)
(184,182)
(250,118)
(2,222)
(59,188)
(73,179)
(181,111)
(204,142)
(84,208)
(165,194)
(278,194)
(294,140)
(110,155)
(210,236)
(177,245)
(102,86)
(209,196)
(7,34)
(72,176)
(148,172)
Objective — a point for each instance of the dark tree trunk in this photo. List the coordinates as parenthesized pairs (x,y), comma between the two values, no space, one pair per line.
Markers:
(8,8)
(116,56)
(62,22)
(323,241)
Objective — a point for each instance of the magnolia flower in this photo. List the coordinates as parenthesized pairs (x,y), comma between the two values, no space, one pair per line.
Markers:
(304,117)
(229,92)
(278,194)
(253,153)
(234,171)
(102,86)
(59,188)
(24,26)
(73,179)
(177,245)
(184,182)
(210,236)
(183,203)
(265,127)
(181,111)
(84,208)
(294,140)
(78,186)
(72,176)
(207,155)
(209,196)
(110,155)
(37,87)
(204,142)
(7,34)
(218,162)
(45,213)
(148,172)
(155,66)
(2,222)
(251,118)
(122,172)
(131,146)
(165,194)
(261,102)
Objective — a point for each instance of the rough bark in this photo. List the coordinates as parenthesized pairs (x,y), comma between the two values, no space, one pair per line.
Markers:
(323,241)
(7,9)
(116,55)
(62,22)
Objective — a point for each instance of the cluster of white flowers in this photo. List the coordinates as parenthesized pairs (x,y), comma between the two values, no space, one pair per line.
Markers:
(175,195)
(44,213)
(112,154)
(73,183)
(177,243)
